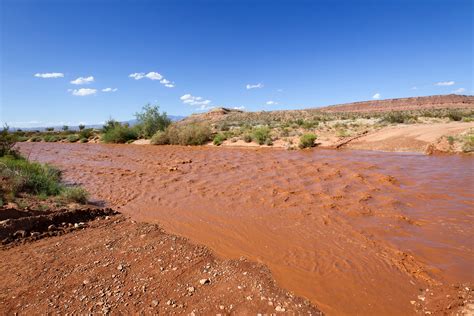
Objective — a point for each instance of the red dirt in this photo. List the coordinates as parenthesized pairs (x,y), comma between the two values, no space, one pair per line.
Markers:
(352,231)
(118,266)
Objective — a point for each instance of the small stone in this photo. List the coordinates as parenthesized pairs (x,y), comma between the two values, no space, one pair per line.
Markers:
(280,309)
(155,303)
(204,281)
(191,289)
(412,302)
(85,282)
(51,227)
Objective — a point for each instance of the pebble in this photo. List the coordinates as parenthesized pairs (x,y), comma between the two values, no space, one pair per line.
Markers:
(120,267)
(279,309)
(191,289)
(155,303)
(204,281)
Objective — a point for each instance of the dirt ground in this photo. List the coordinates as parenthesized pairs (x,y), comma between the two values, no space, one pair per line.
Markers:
(408,138)
(113,265)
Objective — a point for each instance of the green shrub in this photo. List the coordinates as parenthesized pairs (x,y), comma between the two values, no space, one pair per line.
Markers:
(7,142)
(394,117)
(219,139)
(119,134)
(191,134)
(51,138)
(160,138)
(73,138)
(247,138)
(450,140)
(84,140)
(75,194)
(36,138)
(454,115)
(261,134)
(269,142)
(85,133)
(150,121)
(30,177)
(81,127)
(307,140)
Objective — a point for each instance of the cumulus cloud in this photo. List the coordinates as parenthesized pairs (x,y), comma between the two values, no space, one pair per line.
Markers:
(254,86)
(445,83)
(152,75)
(109,90)
(83,92)
(460,90)
(83,80)
(201,103)
(48,75)
(239,107)
(376,96)
(271,102)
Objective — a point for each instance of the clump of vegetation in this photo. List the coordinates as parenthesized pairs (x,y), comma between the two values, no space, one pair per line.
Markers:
(219,139)
(7,142)
(307,140)
(454,115)
(75,194)
(86,133)
(190,134)
(21,175)
(261,134)
(150,121)
(73,138)
(247,138)
(117,133)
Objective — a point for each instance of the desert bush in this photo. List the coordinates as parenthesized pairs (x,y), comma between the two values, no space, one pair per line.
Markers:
(51,138)
(85,133)
(307,140)
(119,134)
(36,138)
(394,117)
(150,121)
(73,138)
(81,127)
(75,194)
(7,142)
(450,140)
(247,138)
(219,139)
(269,142)
(190,134)
(49,129)
(160,138)
(261,134)
(84,140)
(29,177)
(454,115)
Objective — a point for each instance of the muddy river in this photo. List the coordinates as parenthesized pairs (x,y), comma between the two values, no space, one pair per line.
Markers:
(355,232)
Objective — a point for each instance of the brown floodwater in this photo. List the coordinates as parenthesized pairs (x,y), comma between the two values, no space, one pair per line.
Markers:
(355,232)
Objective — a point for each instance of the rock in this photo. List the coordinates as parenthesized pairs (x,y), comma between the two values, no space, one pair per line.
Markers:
(19,234)
(191,289)
(85,282)
(120,267)
(155,303)
(280,309)
(204,281)
(51,227)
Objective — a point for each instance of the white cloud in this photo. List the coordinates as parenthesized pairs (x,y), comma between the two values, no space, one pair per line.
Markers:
(109,90)
(137,75)
(83,92)
(254,86)
(202,103)
(239,107)
(376,96)
(460,90)
(83,80)
(445,83)
(49,75)
(414,88)
(271,102)
(152,75)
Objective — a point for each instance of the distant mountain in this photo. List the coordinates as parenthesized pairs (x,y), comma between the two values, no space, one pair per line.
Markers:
(173,118)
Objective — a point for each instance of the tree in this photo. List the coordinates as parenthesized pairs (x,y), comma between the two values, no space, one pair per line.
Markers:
(65,128)
(7,142)
(81,127)
(150,120)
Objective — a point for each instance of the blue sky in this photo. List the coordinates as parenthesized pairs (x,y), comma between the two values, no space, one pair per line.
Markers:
(188,56)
